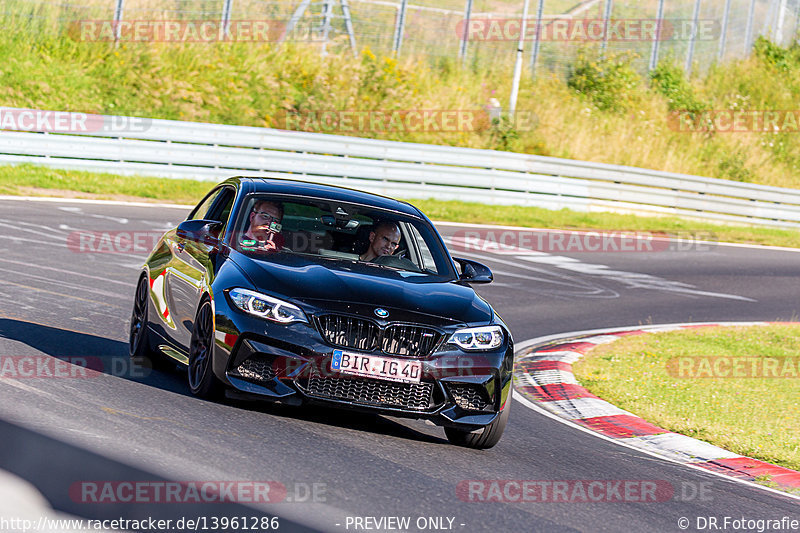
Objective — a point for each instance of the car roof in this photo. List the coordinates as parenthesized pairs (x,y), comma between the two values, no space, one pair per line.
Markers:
(319,190)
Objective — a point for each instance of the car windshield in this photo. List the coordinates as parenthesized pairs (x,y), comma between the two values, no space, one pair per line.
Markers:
(337,231)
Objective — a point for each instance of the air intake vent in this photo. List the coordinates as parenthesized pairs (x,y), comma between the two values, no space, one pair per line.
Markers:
(256,368)
(416,396)
(469,397)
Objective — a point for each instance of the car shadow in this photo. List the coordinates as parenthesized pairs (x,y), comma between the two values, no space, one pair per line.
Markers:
(61,472)
(110,356)
(95,353)
(344,418)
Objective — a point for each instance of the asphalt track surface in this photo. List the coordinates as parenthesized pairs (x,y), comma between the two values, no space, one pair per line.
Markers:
(62,302)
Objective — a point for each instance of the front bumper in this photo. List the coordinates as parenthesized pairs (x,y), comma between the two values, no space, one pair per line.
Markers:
(292,364)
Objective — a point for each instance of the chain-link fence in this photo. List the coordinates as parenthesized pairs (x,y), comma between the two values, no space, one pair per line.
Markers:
(477,32)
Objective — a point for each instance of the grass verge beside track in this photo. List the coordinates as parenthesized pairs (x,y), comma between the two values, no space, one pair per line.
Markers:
(664,378)
(29,180)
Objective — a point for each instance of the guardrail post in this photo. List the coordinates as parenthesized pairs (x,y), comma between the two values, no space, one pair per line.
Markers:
(400,27)
(327,11)
(725,17)
(748,34)
(348,24)
(606,22)
(226,19)
(657,37)
(117,19)
(512,101)
(779,25)
(537,39)
(462,51)
(690,52)
(296,16)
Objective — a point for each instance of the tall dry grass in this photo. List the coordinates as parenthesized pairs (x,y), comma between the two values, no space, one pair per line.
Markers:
(604,111)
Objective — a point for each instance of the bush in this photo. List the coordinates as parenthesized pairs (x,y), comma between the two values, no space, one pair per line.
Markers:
(776,56)
(733,167)
(610,83)
(669,80)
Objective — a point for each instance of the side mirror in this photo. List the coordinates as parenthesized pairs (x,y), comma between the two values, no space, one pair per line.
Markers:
(473,272)
(205,231)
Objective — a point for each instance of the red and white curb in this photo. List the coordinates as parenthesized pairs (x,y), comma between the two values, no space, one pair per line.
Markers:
(543,381)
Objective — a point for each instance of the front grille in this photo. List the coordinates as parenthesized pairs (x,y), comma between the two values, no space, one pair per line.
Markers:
(411,341)
(256,368)
(349,332)
(360,334)
(416,396)
(469,397)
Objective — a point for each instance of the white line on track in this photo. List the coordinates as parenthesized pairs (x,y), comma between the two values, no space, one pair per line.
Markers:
(63,271)
(18,225)
(631,280)
(34,241)
(39,232)
(67,285)
(79,211)
(92,202)
(629,234)
(39,289)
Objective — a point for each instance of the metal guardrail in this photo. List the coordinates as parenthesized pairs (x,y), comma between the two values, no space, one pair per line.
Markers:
(175,149)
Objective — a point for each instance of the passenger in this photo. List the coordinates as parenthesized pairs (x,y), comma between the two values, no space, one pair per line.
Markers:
(264,229)
(383,240)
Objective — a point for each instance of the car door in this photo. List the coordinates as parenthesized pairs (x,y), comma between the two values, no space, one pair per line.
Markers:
(192,266)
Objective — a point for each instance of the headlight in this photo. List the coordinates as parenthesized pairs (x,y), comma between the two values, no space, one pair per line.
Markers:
(480,338)
(264,306)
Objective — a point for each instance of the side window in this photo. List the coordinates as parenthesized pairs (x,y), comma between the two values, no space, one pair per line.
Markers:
(426,257)
(203,208)
(220,209)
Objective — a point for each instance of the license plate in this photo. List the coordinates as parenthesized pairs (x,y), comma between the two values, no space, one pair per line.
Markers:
(374,366)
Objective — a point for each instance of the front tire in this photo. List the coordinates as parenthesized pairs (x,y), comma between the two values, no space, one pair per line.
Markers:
(481,440)
(138,338)
(202,381)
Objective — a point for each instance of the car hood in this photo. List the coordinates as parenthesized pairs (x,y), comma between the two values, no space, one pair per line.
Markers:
(316,281)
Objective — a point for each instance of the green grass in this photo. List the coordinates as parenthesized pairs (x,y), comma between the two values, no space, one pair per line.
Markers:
(42,181)
(756,417)
(33,180)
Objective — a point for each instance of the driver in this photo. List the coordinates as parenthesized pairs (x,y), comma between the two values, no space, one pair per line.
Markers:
(383,240)
(263,232)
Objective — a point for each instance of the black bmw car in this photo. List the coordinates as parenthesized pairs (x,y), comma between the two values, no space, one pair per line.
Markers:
(304,293)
